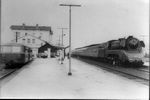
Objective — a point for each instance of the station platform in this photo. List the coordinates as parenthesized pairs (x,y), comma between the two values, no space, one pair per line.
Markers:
(48,79)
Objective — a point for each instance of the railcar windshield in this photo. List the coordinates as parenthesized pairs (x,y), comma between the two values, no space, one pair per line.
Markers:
(11,49)
(16,49)
(6,49)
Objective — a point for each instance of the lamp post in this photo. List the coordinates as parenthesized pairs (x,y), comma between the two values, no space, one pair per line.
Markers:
(70,5)
(0,25)
(16,37)
(0,39)
(59,41)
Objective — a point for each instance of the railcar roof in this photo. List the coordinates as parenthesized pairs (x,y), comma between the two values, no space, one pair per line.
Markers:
(14,44)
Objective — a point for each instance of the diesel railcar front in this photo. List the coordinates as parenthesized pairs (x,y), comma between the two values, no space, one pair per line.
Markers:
(14,55)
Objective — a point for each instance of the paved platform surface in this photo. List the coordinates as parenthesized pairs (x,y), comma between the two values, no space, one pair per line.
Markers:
(46,78)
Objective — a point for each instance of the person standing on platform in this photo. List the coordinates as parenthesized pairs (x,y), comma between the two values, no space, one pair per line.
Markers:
(61,56)
(68,55)
(64,53)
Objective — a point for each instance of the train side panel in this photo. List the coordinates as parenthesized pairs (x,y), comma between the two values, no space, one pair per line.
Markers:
(15,58)
(93,52)
(119,54)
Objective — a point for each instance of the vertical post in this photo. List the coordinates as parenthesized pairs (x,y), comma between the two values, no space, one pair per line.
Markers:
(0,25)
(16,37)
(69,73)
(49,36)
(59,41)
(62,37)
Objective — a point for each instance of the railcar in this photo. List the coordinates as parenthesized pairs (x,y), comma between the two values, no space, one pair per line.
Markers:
(14,54)
(124,50)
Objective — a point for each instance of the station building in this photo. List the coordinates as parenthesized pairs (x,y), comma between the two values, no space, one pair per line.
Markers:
(32,36)
(49,49)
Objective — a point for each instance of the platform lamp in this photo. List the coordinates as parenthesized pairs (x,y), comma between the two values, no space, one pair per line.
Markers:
(70,5)
(0,25)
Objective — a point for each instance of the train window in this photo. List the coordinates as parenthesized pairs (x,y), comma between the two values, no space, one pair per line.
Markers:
(16,49)
(6,49)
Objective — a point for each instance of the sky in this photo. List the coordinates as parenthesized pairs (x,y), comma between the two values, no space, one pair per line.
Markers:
(96,21)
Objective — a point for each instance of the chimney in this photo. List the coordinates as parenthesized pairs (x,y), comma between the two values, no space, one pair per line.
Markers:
(23,25)
(37,26)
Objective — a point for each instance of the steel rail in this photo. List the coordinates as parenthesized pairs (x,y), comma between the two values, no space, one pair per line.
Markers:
(110,67)
(6,73)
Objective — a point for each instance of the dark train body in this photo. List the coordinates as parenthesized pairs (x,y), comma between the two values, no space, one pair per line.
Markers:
(123,50)
(14,55)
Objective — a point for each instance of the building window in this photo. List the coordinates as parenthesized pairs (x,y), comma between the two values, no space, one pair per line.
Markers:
(28,40)
(33,40)
(23,40)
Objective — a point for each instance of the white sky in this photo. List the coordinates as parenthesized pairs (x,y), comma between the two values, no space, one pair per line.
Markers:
(95,22)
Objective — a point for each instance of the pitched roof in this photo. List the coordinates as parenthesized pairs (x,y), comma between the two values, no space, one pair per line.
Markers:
(25,27)
(14,44)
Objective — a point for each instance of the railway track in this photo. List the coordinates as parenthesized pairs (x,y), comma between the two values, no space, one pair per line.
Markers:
(6,72)
(140,75)
(144,70)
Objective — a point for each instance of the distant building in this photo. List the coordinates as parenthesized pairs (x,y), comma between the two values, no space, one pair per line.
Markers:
(32,36)
(49,49)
